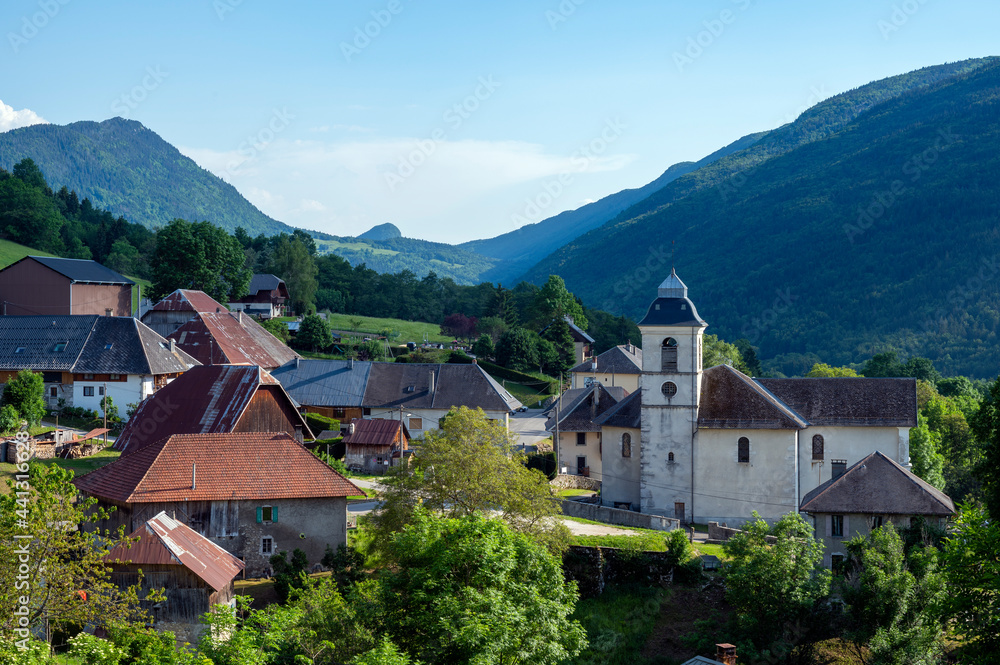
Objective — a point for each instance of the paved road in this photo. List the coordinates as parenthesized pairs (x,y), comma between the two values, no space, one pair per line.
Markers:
(529,427)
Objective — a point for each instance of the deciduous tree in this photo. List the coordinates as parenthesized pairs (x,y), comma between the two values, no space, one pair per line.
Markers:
(26,394)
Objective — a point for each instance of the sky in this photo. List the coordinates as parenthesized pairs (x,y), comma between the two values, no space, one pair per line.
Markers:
(457,120)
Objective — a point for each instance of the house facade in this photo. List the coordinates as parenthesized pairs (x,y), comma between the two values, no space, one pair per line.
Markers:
(716,445)
(49,286)
(331,388)
(82,358)
(619,366)
(576,432)
(871,493)
(375,445)
(251,493)
(214,399)
(266,297)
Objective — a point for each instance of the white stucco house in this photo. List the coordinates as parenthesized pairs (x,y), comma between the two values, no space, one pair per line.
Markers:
(716,445)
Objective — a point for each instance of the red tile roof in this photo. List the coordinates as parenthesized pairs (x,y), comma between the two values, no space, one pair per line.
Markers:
(231,338)
(374,432)
(186,300)
(217,467)
(165,541)
(204,399)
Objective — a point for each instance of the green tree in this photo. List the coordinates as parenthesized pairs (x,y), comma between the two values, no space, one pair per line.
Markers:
(29,217)
(469,465)
(483,348)
(199,256)
(893,600)
(773,586)
(314,334)
(123,257)
(719,352)
(288,574)
(554,301)
(469,590)
(492,326)
(885,364)
(110,409)
(927,462)
(517,350)
(28,172)
(824,370)
(559,334)
(26,394)
(277,328)
(749,355)
(62,561)
(293,262)
(972,569)
(987,427)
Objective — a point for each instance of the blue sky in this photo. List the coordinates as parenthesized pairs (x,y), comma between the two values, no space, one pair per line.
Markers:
(457,120)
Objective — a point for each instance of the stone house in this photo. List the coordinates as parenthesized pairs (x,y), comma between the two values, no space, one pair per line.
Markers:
(251,493)
(47,286)
(214,399)
(872,492)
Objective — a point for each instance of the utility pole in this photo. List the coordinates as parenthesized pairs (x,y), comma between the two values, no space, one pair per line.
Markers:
(104,407)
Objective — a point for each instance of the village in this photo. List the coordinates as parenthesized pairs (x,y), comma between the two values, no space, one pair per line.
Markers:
(224,459)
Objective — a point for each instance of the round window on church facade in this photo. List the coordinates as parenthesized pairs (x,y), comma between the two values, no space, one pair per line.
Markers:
(669,388)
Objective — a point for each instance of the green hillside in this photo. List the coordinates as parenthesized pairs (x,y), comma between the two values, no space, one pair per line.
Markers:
(785,254)
(127,169)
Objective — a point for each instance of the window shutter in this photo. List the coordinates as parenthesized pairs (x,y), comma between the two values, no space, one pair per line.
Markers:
(828,518)
(260,514)
(274,513)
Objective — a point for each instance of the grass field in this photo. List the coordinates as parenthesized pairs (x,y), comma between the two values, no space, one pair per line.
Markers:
(409,331)
(79,466)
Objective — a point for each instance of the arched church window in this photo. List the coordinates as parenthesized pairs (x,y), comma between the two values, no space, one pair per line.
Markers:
(668,355)
(669,388)
(626,444)
(670,458)
(743,450)
(818,447)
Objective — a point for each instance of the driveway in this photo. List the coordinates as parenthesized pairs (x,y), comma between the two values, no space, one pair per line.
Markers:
(529,427)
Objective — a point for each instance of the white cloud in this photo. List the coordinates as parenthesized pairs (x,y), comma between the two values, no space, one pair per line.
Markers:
(343,187)
(11,119)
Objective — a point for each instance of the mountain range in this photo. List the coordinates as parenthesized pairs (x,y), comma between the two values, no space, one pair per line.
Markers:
(867,222)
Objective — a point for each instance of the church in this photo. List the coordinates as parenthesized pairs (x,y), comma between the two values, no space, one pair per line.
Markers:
(716,445)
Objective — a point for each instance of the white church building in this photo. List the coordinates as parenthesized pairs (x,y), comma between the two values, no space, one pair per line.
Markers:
(716,445)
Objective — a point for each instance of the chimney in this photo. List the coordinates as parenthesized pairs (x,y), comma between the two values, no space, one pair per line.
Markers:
(173,345)
(350,428)
(431,389)
(593,365)
(194,476)
(351,364)
(239,316)
(839,467)
(297,362)
(725,653)
(299,436)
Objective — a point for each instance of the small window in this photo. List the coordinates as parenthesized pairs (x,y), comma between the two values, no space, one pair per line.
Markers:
(876,522)
(626,445)
(114,377)
(53,392)
(743,450)
(416,423)
(267,514)
(581,438)
(266,545)
(107,347)
(19,349)
(100,391)
(88,391)
(837,526)
(366,411)
(818,448)
(669,388)
(837,563)
(60,347)
(670,458)
(88,377)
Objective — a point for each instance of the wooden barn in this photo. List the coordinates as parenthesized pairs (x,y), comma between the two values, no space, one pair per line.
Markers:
(50,285)
(374,445)
(194,573)
(213,399)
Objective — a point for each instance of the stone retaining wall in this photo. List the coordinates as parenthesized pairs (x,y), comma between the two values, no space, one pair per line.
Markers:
(619,517)
(719,534)
(592,568)
(571,482)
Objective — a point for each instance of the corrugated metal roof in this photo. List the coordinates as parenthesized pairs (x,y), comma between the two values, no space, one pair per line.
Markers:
(205,399)
(189,300)
(375,432)
(241,466)
(878,485)
(231,338)
(331,383)
(165,541)
(81,270)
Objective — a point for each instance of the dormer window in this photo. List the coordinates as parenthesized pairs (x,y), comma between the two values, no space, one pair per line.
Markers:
(60,347)
(19,349)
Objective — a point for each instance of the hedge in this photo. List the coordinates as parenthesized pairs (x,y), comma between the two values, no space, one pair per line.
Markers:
(319,423)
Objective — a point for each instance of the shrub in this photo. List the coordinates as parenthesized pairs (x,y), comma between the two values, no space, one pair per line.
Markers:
(10,419)
(319,423)
(289,575)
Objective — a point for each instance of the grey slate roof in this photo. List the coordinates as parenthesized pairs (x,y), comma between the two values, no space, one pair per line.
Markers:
(849,401)
(264,283)
(672,307)
(82,270)
(732,400)
(622,359)
(335,383)
(579,410)
(408,385)
(626,413)
(878,485)
(579,335)
(135,349)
